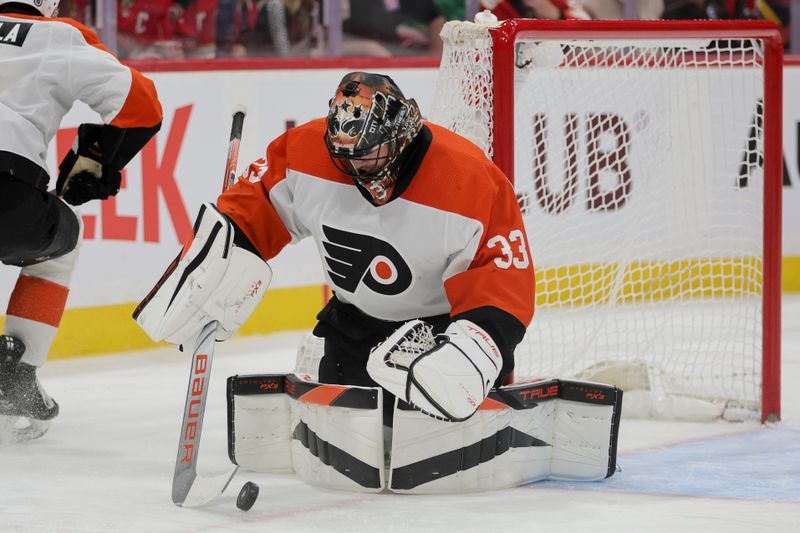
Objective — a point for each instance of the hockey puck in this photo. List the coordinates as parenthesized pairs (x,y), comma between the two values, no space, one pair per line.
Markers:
(247,496)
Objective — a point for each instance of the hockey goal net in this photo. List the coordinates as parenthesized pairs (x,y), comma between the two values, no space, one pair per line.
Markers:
(646,157)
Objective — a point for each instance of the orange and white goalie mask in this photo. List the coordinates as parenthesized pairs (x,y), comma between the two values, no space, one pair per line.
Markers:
(370,123)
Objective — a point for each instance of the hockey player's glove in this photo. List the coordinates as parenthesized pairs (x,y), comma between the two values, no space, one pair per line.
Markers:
(87,171)
(446,377)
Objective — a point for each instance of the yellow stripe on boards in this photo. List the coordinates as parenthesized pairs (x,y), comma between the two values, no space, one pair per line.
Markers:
(791,274)
(648,281)
(92,331)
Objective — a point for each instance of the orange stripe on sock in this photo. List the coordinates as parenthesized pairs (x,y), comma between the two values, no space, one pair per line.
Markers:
(39,300)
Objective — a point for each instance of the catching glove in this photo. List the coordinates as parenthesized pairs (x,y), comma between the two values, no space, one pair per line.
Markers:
(446,377)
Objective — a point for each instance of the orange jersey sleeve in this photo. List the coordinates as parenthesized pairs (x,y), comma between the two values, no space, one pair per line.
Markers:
(500,273)
(247,203)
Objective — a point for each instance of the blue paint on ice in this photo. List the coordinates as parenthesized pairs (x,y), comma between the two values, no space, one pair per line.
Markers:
(762,465)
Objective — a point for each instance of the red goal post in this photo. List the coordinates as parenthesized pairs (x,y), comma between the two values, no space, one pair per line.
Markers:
(647,159)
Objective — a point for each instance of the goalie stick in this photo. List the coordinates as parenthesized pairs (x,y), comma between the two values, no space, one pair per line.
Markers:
(188,488)
(239,112)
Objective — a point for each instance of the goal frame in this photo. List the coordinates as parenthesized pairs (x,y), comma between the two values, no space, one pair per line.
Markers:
(503,39)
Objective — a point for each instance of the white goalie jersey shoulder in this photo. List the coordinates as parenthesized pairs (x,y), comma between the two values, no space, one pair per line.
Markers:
(212,280)
(447,377)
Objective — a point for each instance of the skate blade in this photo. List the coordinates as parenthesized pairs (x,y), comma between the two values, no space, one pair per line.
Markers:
(14,429)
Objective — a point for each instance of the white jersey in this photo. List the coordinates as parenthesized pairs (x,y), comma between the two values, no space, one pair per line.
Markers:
(452,242)
(46,64)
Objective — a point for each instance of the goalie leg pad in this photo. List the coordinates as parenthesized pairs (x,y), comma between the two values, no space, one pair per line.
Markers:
(337,436)
(211,280)
(330,435)
(521,434)
(259,423)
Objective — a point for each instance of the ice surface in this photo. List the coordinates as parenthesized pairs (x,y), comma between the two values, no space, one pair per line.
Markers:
(106,465)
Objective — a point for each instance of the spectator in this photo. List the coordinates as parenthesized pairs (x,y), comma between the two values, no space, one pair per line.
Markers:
(451,9)
(271,27)
(400,25)
(196,27)
(568,9)
(716,9)
(538,9)
(145,30)
(615,9)
(80,10)
(231,21)
(778,12)
(694,9)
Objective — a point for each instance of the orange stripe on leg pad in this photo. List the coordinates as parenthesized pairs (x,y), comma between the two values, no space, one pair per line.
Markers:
(39,300)
(323,395)
(490,404)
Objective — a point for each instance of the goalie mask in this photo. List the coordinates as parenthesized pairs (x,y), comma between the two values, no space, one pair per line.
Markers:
(370,122)
(48,8)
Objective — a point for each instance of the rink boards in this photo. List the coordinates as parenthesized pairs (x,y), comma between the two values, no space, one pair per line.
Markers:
(130,239)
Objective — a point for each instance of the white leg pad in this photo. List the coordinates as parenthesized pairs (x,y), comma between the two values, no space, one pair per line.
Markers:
(581,441)
(338,446)
(259,423)
(330,435)
(521,434)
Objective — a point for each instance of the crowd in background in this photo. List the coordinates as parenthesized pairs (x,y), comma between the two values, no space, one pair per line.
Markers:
(173,29)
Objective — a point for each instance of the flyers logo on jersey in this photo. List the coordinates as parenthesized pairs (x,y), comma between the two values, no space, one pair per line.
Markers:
(353,258)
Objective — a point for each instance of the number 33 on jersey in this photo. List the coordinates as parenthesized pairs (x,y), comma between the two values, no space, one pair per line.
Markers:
(513,248)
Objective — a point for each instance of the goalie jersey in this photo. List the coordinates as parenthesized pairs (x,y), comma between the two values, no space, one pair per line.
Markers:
(449,242)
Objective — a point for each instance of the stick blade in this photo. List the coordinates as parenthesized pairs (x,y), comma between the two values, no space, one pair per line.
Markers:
(205,489)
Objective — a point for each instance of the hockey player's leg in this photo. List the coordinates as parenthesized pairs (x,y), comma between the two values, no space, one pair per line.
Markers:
(25,407)
(46,247)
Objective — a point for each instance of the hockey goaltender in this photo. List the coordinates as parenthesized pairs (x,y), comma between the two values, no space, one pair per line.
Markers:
(423,243)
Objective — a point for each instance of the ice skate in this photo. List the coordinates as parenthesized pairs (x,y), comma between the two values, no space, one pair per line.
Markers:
(25,408)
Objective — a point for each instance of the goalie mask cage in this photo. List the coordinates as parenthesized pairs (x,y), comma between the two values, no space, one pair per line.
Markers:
(646,157)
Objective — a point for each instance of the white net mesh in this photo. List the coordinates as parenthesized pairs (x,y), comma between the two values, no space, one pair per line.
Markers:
(416,340)
(638,168)
(463,98)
